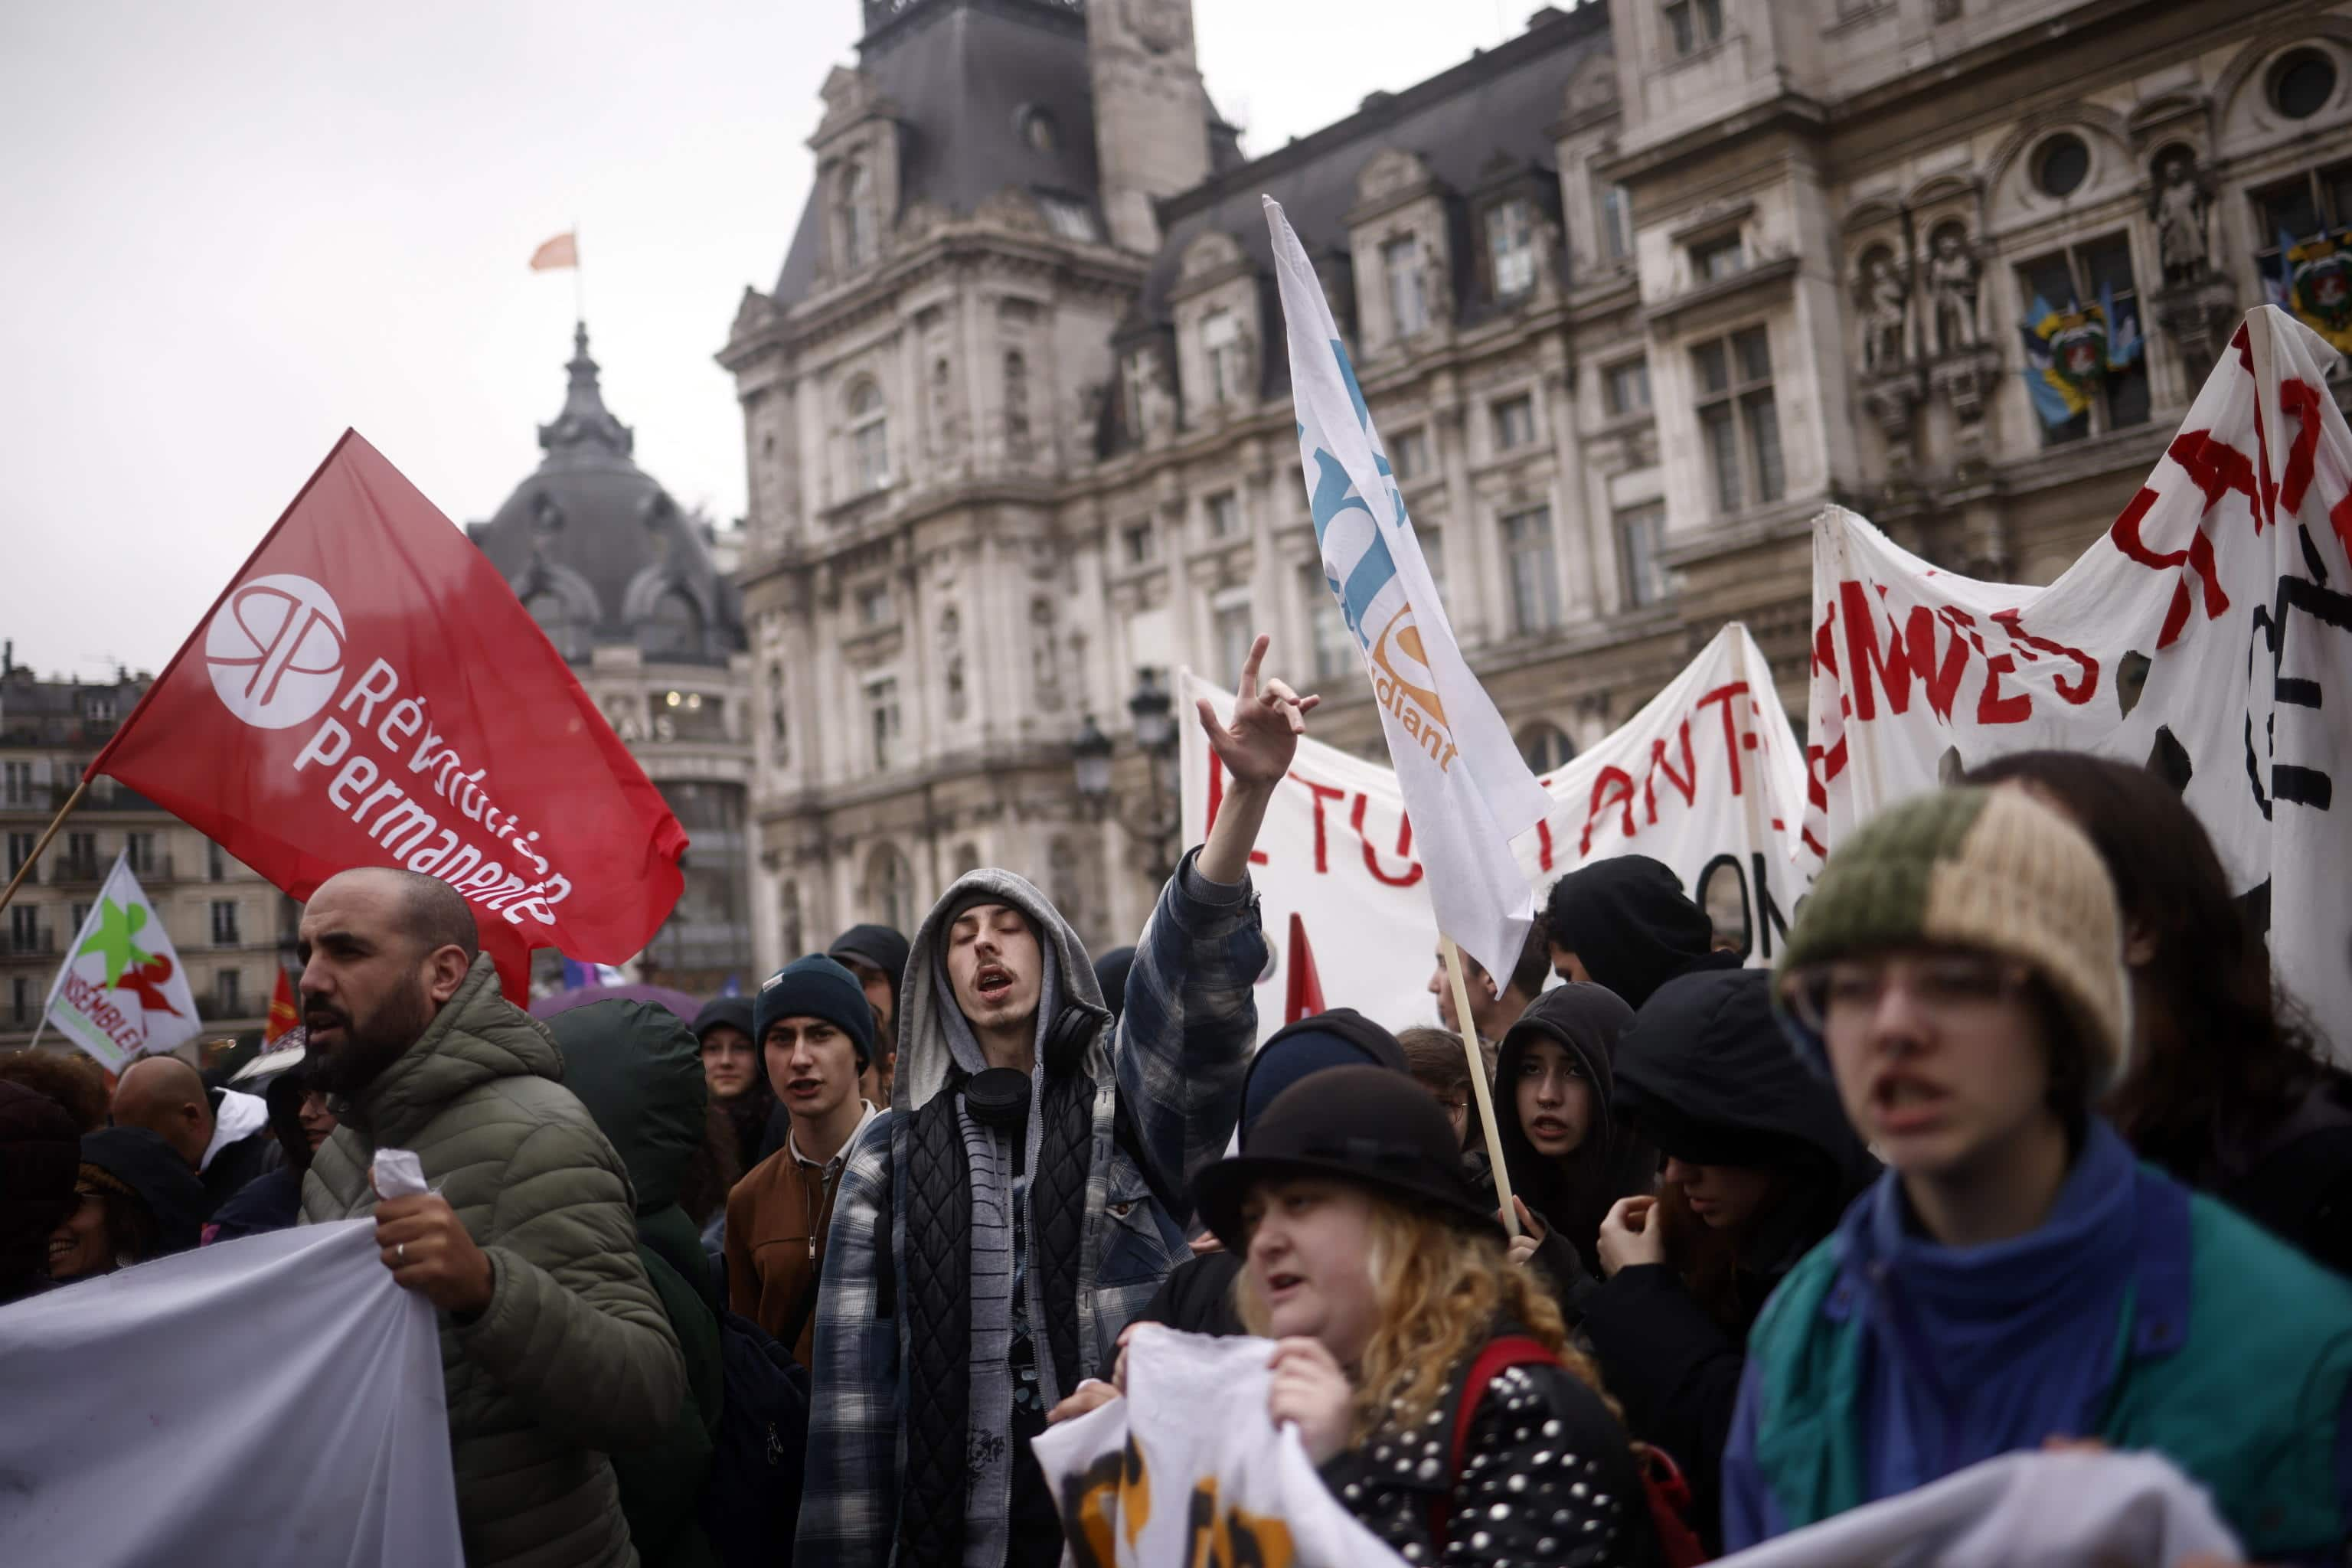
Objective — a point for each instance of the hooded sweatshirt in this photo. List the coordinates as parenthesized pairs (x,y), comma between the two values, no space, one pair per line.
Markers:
(1571,1196)
(241,1146)
(1633,927)
(1165,1090)
(1705,1073)
(159,1180)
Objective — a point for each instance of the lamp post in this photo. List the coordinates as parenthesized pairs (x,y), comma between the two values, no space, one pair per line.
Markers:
(1150,710)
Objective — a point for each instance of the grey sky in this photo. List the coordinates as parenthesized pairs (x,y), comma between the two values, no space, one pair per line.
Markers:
(233,229)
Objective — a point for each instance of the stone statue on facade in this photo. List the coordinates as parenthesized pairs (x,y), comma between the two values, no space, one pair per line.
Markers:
(1886,313)
(1952,288)
(2180,204)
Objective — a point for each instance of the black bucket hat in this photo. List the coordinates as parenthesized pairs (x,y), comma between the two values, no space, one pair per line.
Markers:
(1372,1126)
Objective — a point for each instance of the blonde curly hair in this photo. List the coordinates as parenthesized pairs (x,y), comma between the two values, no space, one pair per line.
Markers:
(1440,1289)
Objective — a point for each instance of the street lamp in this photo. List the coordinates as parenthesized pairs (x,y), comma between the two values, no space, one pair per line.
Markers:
(1155,729)
(1151,708)
(1090,760)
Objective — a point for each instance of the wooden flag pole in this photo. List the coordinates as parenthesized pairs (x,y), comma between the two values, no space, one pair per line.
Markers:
(1478,1087)
(33,860)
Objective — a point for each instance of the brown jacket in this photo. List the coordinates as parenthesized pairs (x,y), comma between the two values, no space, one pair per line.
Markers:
(776,1220)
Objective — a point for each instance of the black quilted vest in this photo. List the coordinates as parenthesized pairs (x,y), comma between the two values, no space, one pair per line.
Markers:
(932,1182)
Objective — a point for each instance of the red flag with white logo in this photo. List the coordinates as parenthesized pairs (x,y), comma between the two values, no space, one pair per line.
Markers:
(367,691)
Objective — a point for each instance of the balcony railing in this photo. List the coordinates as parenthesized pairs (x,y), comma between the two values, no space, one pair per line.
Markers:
(72,870)
(32,943)
(213,1010)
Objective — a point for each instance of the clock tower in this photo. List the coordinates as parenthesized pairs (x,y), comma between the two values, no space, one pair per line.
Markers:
(1151,113)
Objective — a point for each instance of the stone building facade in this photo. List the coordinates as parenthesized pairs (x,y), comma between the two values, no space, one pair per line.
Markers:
(230,929)
(1631,296)
(633,591)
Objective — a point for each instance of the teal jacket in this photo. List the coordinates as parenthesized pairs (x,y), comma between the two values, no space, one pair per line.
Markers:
(2231,1356)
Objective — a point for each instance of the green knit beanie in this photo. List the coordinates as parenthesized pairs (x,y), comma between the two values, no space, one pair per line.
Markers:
(1992,870)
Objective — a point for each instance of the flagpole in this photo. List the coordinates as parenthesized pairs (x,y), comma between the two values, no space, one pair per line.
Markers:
(33,860)
(579,278)
(1485,1096)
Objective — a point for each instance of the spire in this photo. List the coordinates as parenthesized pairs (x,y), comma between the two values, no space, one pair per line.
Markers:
(585,421)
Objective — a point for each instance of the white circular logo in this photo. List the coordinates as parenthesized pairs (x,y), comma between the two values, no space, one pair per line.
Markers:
(275,649)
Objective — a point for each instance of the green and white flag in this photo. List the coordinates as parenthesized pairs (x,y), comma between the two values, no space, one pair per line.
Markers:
(120,993)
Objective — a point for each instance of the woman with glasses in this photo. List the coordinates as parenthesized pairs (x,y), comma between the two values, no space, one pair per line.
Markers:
(2016,1276)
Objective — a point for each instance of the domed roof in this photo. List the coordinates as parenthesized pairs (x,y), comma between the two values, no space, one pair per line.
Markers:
(597,549)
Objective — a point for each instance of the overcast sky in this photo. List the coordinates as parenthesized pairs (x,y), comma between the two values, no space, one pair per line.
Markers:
(233,229)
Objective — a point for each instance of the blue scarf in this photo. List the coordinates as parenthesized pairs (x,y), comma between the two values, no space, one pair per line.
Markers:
(1970,1353)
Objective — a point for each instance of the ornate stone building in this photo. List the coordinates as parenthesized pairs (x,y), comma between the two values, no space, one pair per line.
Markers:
(1631,296)
(626,586)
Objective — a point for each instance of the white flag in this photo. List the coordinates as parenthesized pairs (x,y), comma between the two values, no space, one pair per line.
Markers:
(1466,789)
(121,992)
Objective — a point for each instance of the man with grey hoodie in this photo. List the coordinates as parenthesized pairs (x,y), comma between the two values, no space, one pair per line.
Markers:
(995,1231)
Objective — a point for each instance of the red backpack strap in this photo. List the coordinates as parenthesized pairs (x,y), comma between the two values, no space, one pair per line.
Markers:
(1498,1356)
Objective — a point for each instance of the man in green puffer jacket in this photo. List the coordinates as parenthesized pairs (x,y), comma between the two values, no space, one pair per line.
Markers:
(555,1348)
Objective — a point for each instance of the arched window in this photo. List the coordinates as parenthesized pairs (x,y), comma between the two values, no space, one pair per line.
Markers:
(1016,400)
(555,618)
(890,888)
(869,438)
(855,211)
(1546,747)
(674,630)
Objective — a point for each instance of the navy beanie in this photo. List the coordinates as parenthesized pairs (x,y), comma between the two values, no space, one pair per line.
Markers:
(1305,1048)
(816,987)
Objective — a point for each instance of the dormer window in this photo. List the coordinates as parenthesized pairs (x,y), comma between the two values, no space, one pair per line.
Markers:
(1717,259)
(1400,260)
(1511,248)
(1221,342)
(854,212)
(869,438)
(1070,219)
(1694,25)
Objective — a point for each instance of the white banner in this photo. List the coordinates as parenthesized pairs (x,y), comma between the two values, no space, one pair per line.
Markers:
(2202,636)
(1187,1471)
(272,1400)
(121,992)
(1456,766)
(1705,778)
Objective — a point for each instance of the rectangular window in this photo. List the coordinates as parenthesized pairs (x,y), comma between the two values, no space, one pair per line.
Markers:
(873,604)
(2097,272)
(1432,555)
(1220,341)
(870,449)
(1625,389)
(228,990)
(2315,202)
(1135,543)
(141,846)
(1718,259)
(882,721)
(1224,513)
(1738,423)
(81,853)
(1334,644)
(1409,455)
(74,915)
(1236,630)
(1617,222)
(20,1001)
(1515,421)
(17,784)
(216,862)
(1511,248)
(1070,219)
(24,928)
(1692,25)
(1408,288)
(1639,530)
(225,922)
(20,849)
(1535,577)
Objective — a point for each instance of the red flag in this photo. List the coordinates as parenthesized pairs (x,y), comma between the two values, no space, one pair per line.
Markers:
(283,1014)
(563,250)
(367,691)
(1303,996)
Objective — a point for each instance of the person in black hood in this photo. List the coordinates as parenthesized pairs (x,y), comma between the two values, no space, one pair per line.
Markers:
(39,1155)
(1626,924)
(273,1200)
(137,1200)
(732,1069)
(1759,1164)
(1570,1156)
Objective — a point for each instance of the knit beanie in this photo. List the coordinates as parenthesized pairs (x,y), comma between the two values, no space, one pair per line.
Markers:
(1992,870)
(816,987)
(878,945)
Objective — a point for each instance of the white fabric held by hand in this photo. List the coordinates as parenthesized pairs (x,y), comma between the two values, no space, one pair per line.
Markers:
(397,1173)
(272,1400)
(2020,1511)
(1196,1414)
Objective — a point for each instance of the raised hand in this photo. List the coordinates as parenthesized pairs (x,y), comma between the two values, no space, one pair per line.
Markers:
(1268,718)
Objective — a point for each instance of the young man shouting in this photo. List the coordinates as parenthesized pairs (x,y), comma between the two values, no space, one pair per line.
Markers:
(1023,1199)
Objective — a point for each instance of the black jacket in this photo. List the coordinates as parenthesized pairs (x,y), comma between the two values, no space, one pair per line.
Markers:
(1570,1197)
(39,1154)
(1547,1476)
(1633,927)
(1197,1297)
(236,1166)
(159,1180)
(1705,1073)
